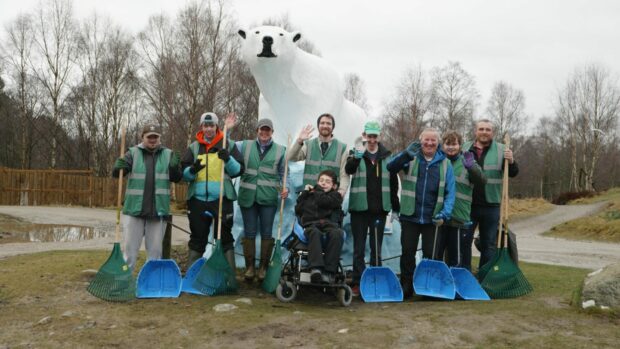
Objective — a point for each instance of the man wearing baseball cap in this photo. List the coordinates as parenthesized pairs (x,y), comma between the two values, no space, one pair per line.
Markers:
(373,195)
(202,166)
(150,168)
(260,191)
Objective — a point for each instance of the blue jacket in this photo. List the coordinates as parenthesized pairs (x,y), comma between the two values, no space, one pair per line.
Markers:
(427,186)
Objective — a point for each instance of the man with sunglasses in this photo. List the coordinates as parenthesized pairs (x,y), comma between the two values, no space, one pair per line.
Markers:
(150,168)
(374,193)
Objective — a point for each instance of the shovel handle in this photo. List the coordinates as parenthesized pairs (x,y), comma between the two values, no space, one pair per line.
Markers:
(288,146)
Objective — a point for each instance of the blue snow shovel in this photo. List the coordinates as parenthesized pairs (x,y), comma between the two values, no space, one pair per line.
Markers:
(433,278)
(467,286)
(187,285)
(159,278)
(380,284)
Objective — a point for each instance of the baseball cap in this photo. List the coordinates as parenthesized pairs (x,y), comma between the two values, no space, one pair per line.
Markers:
(208,118)
(372,128)
(151,129)
(264,122)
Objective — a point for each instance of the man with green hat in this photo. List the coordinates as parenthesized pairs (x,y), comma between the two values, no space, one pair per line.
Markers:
(373,195)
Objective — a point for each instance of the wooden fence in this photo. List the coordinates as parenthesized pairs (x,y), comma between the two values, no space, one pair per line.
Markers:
(63,187)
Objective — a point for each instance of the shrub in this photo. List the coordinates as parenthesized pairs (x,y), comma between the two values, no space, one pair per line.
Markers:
(566,197)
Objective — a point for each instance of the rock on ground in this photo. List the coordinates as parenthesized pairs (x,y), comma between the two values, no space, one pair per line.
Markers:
(603,287)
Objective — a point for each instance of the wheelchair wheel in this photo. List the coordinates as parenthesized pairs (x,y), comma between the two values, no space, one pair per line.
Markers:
(344,295)
(287,292)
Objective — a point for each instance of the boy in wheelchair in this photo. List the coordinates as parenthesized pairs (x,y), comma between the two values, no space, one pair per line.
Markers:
(320,211)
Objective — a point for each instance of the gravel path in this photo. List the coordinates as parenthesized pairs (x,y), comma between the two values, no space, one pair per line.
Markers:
(533,247)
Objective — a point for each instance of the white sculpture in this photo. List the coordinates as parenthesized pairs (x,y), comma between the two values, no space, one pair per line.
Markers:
(296,86)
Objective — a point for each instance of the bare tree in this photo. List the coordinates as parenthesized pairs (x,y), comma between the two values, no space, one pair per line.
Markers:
(506,108)
(26,91)
(157,71)
(453,98)
(355,91)
(119,87)
(405,114)
(55,42)
(588,108)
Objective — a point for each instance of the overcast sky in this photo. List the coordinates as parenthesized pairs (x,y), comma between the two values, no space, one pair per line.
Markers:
(533,45)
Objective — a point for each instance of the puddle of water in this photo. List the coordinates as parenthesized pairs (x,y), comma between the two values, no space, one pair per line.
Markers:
(13,230)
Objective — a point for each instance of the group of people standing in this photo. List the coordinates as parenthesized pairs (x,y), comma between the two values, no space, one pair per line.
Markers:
(448,188)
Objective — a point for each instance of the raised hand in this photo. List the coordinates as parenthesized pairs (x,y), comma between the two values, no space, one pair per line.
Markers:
(305,134)
(231,120)
(468,159)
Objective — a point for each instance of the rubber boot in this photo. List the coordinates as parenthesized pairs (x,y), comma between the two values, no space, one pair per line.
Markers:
(192,256)
(266,246)
(230,257)
(249,252)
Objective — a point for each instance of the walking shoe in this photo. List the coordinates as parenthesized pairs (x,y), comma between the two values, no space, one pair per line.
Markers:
(316,277)
(355,290)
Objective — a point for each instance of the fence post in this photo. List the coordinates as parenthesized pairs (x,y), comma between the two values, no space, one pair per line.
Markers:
(91,188)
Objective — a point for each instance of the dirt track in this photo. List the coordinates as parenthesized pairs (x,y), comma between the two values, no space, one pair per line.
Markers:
(533,247)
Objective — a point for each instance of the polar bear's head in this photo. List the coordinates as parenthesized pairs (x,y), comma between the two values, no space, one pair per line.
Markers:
(268,43)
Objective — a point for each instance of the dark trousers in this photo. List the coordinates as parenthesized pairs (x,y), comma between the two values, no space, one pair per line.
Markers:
(200,223)
(486,218)
(447,240)
(409,236)
(332,246)
(361,223)
(467,238)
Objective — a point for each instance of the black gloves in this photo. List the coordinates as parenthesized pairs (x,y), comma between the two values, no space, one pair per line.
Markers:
(196,167)
(223,154)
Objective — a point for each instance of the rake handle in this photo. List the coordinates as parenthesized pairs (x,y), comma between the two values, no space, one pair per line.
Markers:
(503,212)
(221,199)
(117,233)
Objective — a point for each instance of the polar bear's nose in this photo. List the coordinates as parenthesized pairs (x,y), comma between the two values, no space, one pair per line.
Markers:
(267,40)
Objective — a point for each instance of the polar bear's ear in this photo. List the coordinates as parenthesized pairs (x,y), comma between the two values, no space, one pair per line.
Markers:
(241,33)
(296,36)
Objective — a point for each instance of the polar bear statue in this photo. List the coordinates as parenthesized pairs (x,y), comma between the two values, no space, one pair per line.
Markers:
(296,87)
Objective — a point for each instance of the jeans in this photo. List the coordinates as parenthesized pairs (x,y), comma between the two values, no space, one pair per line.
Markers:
(486,218)
(361,223)
(251,215)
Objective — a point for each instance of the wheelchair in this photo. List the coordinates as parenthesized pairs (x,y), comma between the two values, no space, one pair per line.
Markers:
(296,272)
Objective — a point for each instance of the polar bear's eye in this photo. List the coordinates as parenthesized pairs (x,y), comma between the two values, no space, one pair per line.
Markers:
(281,34)
(257,32)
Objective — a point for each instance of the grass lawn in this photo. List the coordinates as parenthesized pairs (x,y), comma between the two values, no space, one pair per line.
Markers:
(50,284)
(604,226)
